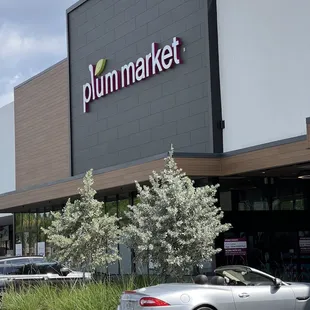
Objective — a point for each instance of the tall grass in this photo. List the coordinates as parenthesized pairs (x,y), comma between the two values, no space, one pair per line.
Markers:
(93,296)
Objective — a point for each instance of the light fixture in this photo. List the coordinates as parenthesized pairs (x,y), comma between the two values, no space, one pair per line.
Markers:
(304,175)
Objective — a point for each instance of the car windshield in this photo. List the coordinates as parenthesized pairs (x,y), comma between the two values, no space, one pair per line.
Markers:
(239,276)
(44,265)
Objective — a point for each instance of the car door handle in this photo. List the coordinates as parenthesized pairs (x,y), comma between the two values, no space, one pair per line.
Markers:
(244,295)
(303,298)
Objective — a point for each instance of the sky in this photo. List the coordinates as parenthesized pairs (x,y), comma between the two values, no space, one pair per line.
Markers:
(32,38)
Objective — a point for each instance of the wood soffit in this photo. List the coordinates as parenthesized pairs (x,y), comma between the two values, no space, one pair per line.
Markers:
(195,166)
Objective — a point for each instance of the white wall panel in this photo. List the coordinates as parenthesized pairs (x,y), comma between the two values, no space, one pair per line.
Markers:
(264,52)
(7,149)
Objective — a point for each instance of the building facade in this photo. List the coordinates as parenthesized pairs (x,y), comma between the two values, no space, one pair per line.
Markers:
(7,168)
(142,75)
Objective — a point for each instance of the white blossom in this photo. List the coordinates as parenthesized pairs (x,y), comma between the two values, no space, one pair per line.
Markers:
(174,223)
(82,234)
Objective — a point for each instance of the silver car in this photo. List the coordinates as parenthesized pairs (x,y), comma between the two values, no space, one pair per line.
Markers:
(232,288)
(33,268)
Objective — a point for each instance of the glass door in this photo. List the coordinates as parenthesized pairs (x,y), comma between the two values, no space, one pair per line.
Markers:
(275,253)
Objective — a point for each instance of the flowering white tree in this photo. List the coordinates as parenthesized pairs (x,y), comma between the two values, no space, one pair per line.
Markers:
(82,234)
(174,223)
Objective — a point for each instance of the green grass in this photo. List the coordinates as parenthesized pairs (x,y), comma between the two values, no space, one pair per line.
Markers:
(93,296)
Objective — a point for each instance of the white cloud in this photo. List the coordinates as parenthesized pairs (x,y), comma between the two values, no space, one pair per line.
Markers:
(15,44)
(22,56)
(6,98)
(7,95)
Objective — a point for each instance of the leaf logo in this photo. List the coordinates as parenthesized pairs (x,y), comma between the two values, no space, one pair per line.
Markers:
(100,66)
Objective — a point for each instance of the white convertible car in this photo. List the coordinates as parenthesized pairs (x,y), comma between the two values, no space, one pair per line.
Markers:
(232,288)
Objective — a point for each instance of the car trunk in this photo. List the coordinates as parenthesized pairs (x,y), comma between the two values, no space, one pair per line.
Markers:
(130,299)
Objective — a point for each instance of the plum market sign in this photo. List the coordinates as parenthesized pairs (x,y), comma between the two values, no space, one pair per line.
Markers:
(158,60)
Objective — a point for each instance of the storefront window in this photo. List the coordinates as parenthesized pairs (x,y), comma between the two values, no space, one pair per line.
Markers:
(122,208)
(263,194)
(32,233)
(111,208)
(5,243)
(226,201)
(18,238)
(41,224)
(48,219)
(299,198)
(284,199)
(47,223)
(18,222)
(279,253)
(33,221)
(275,253)
(25,243)
(29,237)
(33,243)
(48,250)
(111,205)
(25,233)
(252,200)
(25,221)
(299,203)
(136,200)
(288,197)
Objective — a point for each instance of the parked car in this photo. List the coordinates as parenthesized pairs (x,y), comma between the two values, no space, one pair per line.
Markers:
(232,288)
(21,269)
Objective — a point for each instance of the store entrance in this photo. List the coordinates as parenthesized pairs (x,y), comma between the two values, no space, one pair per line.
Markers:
(285,255)
(272,215)
(275,253)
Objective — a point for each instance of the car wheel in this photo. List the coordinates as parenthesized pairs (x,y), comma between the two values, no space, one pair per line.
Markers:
(205,308)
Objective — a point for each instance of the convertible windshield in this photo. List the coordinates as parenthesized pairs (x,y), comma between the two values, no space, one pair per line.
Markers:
(240,276)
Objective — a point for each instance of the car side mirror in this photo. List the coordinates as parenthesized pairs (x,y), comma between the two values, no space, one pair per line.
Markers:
(64,271)
(277,282)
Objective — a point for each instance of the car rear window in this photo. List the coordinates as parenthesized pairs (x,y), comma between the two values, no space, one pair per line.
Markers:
(18,261)
(38,259)
(42,260)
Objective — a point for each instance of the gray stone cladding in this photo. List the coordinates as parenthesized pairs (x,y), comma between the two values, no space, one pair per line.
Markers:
(143,119)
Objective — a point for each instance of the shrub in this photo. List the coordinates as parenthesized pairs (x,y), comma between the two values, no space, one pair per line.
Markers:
(93,296)
(82,234)
(174,224)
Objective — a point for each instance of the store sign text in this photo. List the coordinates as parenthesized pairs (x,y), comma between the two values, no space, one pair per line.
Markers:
(158,60)
(236,246)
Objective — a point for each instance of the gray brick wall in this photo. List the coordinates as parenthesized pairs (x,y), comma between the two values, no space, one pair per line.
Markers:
(144,119)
